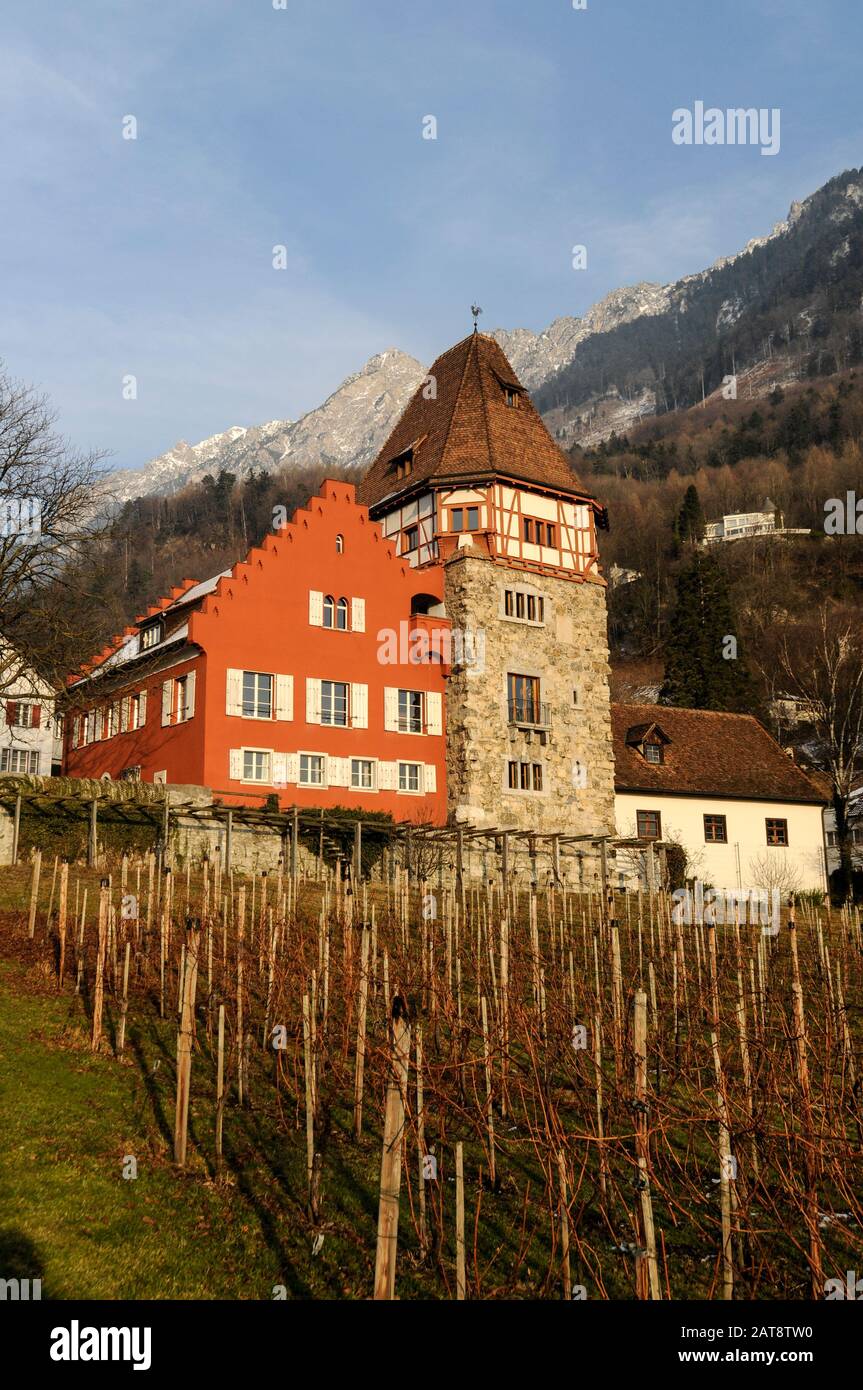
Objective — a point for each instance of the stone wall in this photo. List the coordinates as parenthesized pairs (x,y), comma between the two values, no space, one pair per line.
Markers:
(569,653)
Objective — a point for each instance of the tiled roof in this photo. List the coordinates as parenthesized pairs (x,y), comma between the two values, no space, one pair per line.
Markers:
(708,754)
(468,430)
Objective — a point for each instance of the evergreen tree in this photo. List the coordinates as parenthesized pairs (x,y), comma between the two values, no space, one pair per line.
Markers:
(704,668)
(689,526)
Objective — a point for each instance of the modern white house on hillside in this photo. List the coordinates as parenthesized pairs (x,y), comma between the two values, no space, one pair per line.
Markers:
(737,526)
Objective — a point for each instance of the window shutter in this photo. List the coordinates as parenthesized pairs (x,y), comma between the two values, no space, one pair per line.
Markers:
(142,709)
(234,696)
(434,712)
(358,615)
(316,608)
(313,701)
(124,715)
(293,767)
(35,716)
(430,777)
(75,729)
(280,768)
(360,706)
(11,711)
(338,772)
(236,765)
(190,694)
(391,709)
(387,776)
(167,686)
(284,697)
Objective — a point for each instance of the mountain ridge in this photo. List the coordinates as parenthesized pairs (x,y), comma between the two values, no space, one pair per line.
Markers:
(591,375)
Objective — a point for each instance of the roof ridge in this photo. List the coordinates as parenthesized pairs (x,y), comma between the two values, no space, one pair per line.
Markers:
(484,404)
(457,397)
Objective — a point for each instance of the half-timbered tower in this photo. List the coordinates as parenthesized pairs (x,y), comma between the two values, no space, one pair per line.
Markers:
(470,482)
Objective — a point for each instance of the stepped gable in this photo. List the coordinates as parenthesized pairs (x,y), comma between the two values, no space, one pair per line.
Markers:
(326,506)
(468,430)
(706,753)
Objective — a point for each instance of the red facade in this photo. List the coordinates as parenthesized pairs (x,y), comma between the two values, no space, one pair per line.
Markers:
(298,673)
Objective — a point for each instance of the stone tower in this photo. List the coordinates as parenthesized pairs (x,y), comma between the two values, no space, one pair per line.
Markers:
(471,486)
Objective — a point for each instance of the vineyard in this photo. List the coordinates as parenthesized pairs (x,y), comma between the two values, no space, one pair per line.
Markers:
(476,1089)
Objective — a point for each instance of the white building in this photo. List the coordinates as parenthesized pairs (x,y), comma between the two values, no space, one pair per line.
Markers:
(855,825)
(719,785)
(30,740)
(738,526)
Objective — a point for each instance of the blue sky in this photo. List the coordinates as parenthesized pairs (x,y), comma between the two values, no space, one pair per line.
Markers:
(303,127)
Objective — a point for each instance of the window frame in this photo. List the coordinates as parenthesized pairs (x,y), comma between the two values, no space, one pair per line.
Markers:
(712,820)
(322,759)
(777,821)
(334,723)
(257,676)
(405,724)
(641,834)
(267,755)
(372,765)
(409,791)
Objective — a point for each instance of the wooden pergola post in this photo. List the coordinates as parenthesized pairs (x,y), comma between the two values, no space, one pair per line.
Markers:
(295,840)
(16,828)
(229,826)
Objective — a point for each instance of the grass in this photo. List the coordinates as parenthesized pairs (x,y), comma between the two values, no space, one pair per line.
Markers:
(69,1216)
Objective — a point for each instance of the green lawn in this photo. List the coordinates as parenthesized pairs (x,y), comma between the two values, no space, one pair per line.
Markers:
(68,1215)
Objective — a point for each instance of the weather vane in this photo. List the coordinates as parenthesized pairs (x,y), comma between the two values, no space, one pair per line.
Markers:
(476,311)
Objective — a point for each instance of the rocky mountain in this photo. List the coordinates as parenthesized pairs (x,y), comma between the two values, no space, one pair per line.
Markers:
(348,429)
(788,305)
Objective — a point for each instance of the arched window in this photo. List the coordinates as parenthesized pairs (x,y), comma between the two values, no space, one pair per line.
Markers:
(342,615)
(340,545)
(329,611)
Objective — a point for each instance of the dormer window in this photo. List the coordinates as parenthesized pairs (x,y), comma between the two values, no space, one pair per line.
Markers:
(511,397)
(403,463)
(150,636)
(650,741)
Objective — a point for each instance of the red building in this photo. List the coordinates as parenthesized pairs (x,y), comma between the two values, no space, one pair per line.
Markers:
(291,673)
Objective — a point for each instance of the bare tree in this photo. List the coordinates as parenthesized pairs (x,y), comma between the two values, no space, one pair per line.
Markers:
(822,662)
(48,516)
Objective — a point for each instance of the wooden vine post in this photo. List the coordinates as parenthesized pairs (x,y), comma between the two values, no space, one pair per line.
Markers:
(34,892)
(642,1141)
(460,1275)
(61,919)
(184,1039)
(99,992)
(391,1156)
